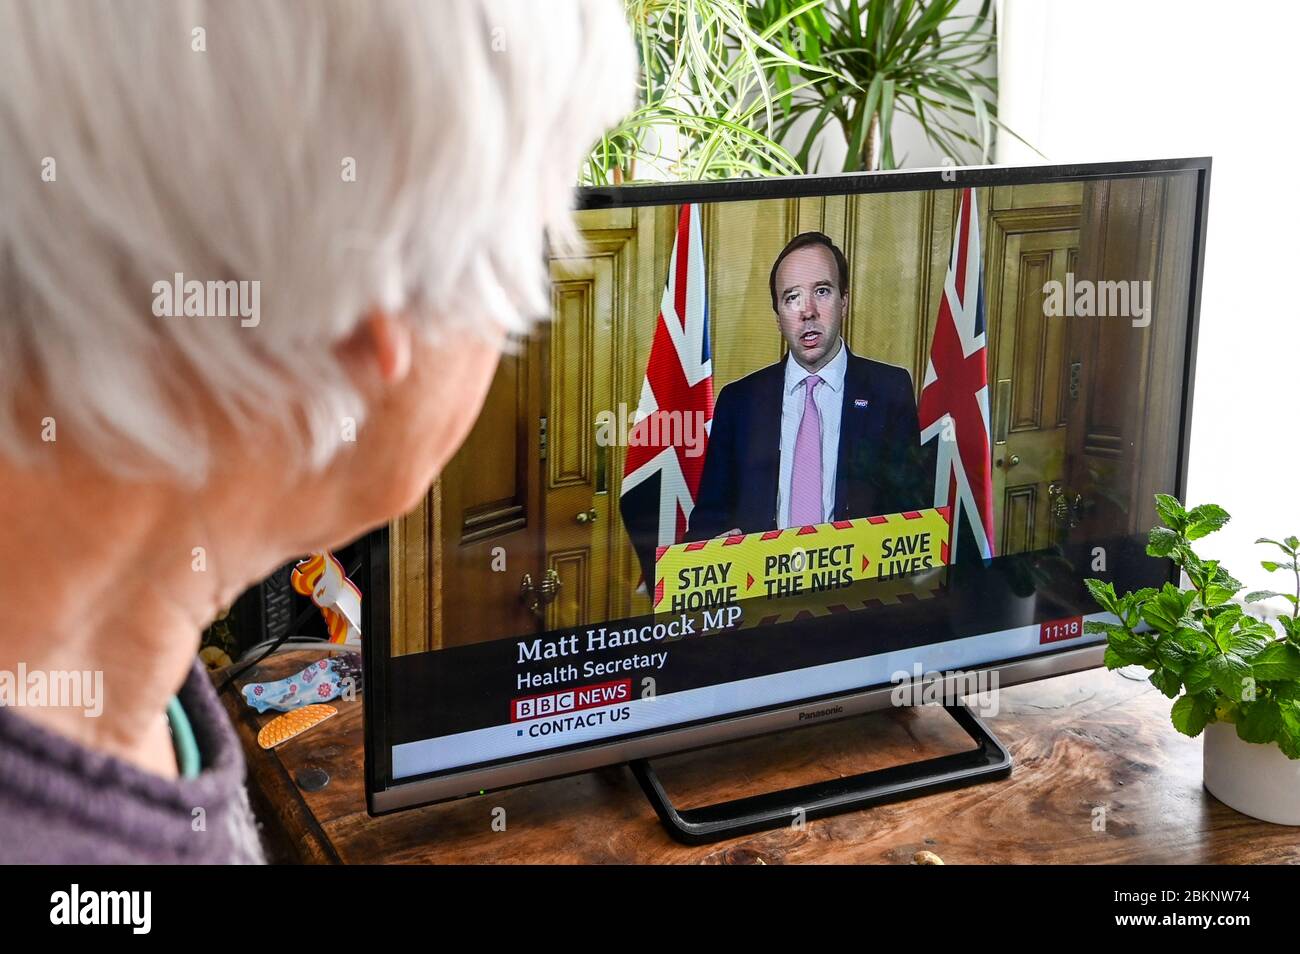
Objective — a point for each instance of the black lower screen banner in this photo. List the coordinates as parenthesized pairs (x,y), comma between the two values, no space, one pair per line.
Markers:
(464,688)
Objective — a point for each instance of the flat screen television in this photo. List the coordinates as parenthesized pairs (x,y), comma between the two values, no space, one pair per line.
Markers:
(784,446)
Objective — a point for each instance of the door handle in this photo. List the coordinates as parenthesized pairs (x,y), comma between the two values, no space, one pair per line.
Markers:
(537,596)
(1009,462)
(1002,401)
(1067,508)
(587,516)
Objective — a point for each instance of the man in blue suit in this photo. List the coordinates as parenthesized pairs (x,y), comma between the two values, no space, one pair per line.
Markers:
(821,435)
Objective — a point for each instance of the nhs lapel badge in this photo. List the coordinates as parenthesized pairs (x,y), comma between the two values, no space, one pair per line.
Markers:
(859,402)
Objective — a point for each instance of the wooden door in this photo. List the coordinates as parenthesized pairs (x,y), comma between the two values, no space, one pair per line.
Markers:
(1030,378)
(1124,422)
(581,512)
(530,500)
(459,558)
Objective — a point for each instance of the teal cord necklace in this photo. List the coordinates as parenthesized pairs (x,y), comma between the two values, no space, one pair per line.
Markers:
(187,747)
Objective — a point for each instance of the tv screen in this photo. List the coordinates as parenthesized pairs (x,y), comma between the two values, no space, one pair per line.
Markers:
(781,446)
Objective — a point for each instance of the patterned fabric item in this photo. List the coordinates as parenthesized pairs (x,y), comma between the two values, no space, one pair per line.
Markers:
(322,681)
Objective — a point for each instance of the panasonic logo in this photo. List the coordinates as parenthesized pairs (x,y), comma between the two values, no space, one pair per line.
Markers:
(820,713)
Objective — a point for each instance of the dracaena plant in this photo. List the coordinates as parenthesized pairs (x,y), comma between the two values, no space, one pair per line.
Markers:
(882,59)
(1203,649)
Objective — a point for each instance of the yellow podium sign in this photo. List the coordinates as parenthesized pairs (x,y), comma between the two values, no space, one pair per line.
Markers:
(797,561)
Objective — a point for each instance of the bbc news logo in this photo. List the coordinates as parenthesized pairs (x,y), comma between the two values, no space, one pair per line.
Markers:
(571,700)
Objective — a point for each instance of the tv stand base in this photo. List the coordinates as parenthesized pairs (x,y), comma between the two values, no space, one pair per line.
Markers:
(989,761)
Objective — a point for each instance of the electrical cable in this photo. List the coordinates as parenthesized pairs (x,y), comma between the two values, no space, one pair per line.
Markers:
(294,642)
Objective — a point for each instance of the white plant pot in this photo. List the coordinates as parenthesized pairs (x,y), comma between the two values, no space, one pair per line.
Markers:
(1256,780)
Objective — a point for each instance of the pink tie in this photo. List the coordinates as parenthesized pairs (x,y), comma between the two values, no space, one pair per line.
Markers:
(806,478)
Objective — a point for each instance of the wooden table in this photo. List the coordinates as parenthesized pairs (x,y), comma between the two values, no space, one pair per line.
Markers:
(1083,742)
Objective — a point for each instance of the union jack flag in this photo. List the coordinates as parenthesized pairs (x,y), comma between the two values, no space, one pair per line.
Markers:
(660,479)
(954,406)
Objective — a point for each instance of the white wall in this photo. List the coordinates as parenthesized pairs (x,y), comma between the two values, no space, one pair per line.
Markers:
(1087,80)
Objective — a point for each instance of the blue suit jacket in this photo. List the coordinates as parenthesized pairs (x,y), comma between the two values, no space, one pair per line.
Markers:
(882,467)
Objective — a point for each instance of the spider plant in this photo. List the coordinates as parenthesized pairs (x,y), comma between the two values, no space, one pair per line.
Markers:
(880,58)
(707,95)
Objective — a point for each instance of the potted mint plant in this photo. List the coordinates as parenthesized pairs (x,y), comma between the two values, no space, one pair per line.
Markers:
(1232,675)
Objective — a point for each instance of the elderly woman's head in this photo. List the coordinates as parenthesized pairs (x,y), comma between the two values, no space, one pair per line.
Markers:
(291,237)
(257,263)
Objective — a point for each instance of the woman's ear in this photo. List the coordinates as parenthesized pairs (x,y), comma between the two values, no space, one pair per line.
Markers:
(379,349)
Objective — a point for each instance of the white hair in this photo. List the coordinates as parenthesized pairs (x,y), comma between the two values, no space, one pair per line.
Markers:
(344,155)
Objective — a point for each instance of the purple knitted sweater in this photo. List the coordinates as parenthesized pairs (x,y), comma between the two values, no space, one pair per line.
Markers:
(63,803)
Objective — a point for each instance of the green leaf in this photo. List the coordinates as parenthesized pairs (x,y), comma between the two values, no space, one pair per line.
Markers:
(1225,616)
(1205,519)
(1285,691)
(1291,626)
(886,125)
(1172,513)
(1114,660)
(1192,634)
(1097,628)
(1197,677)
(1167,681)
(1155,616)
(1173,655)
(1256,627)
(1257,595)
(1271,566)
(1130,605)
(1167,608)
(1276,662)
(1287,546)
(1288,731)
(1229,673)
(1130,647)
(1199,571)
(1161,541)
(1260,721)
(1103,594)
(1247,645)
(1223,580)
(1238,634)
(1192,713)
(1216,595)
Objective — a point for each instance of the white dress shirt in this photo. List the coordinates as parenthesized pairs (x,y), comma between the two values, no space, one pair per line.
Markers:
(829,397)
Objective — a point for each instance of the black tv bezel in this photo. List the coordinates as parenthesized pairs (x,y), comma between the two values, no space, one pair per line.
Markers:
(376,603)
